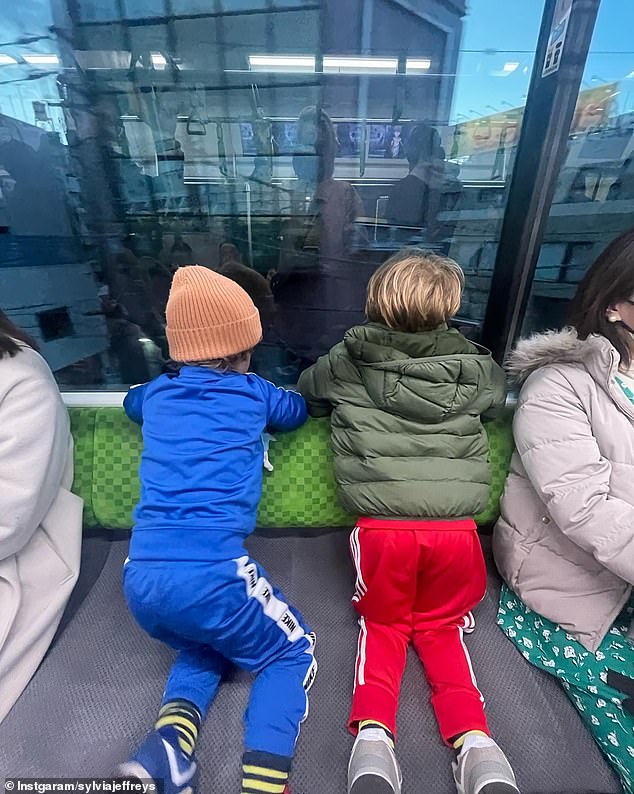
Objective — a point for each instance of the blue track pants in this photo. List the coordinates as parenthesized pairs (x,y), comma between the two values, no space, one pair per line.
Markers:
(225,611)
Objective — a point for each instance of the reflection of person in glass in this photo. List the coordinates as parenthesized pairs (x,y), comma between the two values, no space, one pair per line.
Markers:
(349,136)
(377,139)
(331,206)
(284,136)
(415,200)
(313,288)
(394,144)
(131,287)
(252,282)
(126,349)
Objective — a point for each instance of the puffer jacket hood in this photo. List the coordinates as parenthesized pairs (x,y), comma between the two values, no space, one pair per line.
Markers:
(406,429)
(565,538)
(424,376)
(555,347)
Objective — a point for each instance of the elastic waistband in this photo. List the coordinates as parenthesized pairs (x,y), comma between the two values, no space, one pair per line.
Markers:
(436,525)
(185,545)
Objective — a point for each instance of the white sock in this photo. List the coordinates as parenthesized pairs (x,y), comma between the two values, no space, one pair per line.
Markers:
(375,735)
(476,740)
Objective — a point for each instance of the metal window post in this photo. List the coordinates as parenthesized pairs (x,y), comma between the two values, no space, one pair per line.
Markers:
(541,152)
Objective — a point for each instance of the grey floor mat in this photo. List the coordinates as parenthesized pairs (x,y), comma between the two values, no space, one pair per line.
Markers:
(98,690)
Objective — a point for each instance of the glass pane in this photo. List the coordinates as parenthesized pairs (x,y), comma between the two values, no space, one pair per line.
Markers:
(292,146)
(594,198)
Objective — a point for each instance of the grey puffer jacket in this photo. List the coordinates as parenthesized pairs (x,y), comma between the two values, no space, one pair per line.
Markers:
(565,539)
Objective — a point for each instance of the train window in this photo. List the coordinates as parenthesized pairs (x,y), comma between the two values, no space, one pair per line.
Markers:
(290,146)
(594,199)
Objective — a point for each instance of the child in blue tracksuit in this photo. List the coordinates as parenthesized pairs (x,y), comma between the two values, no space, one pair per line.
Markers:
(189,580)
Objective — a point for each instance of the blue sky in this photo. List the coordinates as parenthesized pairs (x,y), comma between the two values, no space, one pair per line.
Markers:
(490,25)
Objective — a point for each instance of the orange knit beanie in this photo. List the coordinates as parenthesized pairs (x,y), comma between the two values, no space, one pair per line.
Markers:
(209,316)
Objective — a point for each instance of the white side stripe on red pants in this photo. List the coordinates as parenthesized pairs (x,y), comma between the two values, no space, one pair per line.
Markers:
(355,550)
(468,658)
(359,677)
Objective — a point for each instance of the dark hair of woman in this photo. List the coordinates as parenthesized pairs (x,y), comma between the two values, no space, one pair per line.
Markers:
(610,280)
(13,338)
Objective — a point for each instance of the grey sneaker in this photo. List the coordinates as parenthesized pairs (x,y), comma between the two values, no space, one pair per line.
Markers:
(373,768)
(484,770)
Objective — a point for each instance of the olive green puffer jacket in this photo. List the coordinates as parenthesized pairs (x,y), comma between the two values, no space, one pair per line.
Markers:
(406,429)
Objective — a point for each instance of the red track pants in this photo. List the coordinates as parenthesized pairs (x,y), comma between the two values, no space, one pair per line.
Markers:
(417,583)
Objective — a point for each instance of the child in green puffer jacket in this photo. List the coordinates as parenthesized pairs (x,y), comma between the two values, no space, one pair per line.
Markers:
(405,393)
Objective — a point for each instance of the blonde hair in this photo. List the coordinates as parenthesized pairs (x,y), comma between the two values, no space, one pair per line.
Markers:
(415,290)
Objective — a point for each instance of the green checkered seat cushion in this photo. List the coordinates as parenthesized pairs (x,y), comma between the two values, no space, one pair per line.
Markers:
(501,445)
(299,492)
(118,446)
(82,425)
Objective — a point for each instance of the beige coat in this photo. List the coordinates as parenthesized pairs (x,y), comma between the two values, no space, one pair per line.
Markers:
(565,539)
(40,519)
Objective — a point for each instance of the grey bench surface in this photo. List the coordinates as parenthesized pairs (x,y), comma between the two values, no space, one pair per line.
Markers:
(98,690)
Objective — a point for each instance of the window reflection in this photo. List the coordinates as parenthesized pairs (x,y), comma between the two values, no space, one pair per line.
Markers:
(290,146)
(315,284)
(430,187)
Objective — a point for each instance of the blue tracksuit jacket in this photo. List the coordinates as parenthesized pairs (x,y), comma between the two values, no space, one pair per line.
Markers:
(201,468)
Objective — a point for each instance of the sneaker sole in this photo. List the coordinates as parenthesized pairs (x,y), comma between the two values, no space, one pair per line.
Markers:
(374,784)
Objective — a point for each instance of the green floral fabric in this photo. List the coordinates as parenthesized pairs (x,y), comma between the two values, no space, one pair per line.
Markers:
(583,675)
